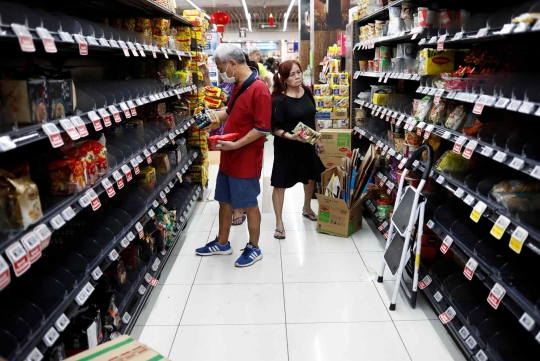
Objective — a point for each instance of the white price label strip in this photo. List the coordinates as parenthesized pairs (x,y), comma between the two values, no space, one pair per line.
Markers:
(499,227)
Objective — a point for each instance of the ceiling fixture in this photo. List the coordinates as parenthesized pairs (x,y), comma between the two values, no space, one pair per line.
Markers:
(198,8)
(271,17)
(248,17)
(287,15)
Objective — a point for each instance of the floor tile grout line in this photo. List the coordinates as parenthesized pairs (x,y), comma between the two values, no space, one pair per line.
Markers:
(284,304)
(185,306)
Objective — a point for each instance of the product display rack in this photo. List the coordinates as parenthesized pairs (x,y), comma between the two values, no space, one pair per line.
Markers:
(97,247)
(481,282)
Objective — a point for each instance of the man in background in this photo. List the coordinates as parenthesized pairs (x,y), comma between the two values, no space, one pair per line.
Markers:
(255,55)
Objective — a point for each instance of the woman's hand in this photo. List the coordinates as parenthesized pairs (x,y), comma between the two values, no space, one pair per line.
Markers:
(320,146)
(296,137)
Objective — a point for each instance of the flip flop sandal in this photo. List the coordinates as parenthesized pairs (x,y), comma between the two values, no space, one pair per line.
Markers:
(309,215)
(281,232)
(242,217)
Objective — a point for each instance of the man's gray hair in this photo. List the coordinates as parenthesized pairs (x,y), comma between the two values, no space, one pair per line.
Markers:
(253,51)
(226,52)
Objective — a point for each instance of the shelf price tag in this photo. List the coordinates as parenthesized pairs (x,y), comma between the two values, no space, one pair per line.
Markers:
(96,121)
(48,40)
(70,129)
(502,103)
(517,163)
(94,199)
(125,109)
(127,172)
(481,356)
(79,124)
(496,295)
(140,229)
(440,43)
(105,116)
(108,187)
(459,144)
(32,245)
(19,258)
(446,243)
(113,256)
(536,172)
(50,337)
(57,222)
(499,227)
(447,315)
(148,156)
(156,264)
(97,273)
(426,281)
(83,45)
(124,242)
(447,135)
(135,166)
(440,179)
(428,131)
(469,200)
(163,197)
(517,239)
(151,213)
(458,36)
(25,38)
(130,236)
(126,318)
(514,105)
(68,214)
(470,267)
(459,192)
(61,323)
(119,180)
(155,204)
(438,297)
(53,133)
(469,149)
(464,333)
(500,157)
(478,107)
(527,321)
(477,211)
(471,342)
(526,108)
(487,151)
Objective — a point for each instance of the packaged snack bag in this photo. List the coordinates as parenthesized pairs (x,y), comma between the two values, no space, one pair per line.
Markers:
(306,133)
(66,176)
(19,201)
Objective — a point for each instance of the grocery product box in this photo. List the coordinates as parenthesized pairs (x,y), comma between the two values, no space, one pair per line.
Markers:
(124,347)
(331,115)
(24,102)
(337,142)
(434,62)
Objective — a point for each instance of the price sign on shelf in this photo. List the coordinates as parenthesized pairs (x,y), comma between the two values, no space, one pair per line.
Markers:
(500,157)
(496,295)
(119,179)
(499,227)
(96,121)
(79,124)
(447,315)
(426,281)
(477,211)
(470,267)
(446,243)
(127,172)
(469,149)
(70,129)
(108,187)
(52,131)
(94,199)
(487,151)
(517,239)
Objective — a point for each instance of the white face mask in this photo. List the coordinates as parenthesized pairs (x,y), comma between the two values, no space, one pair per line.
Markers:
(225,78)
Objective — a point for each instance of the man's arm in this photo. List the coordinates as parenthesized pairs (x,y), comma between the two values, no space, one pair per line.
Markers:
(250,137)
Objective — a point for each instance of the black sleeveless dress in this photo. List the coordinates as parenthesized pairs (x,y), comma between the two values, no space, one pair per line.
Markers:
(294,161)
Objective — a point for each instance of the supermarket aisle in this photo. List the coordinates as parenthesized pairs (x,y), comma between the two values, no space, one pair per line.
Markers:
(312,297)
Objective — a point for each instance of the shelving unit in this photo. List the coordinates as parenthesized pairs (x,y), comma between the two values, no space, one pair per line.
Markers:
(104,225)
(481,281)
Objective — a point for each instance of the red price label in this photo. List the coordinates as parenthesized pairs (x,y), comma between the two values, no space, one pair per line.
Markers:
(426,281)
(447,242)
(447,315)
(83,49)
(470,267)
(478,108)
(136,169)
(5,277)
(496,295)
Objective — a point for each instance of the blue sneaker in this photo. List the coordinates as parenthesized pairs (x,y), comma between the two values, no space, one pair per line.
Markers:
(214,247)
(249,256)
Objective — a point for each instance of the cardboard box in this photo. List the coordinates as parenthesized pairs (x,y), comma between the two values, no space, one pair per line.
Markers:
(123,348)
(337,142)
(24,102)
(336,218)
(332,115)
(330,162)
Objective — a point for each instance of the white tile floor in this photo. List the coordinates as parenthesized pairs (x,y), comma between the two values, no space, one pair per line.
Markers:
(312,296)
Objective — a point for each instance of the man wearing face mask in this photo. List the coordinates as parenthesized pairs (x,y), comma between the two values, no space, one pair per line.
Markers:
(249,114)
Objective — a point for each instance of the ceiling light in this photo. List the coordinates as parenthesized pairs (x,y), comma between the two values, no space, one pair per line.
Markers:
(286,14)
(198,8)
(248,17)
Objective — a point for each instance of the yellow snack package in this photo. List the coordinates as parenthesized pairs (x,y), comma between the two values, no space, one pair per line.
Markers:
(324,101)
(324,110)
(341,101)
(322,89)
(344,78)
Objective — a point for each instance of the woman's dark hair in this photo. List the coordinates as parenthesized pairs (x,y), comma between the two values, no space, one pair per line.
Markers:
(283,72)
(251,63)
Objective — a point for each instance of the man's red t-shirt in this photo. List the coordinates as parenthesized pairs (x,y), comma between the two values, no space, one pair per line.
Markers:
(252,110)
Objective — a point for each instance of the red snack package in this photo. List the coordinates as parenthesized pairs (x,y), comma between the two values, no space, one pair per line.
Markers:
(100,154)
(67,176)
(87,155)
(213,140)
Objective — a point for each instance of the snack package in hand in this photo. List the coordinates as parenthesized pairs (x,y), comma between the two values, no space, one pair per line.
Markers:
(306,133)
(213,141)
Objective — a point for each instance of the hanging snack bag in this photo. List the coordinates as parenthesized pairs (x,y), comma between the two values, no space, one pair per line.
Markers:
(19,200)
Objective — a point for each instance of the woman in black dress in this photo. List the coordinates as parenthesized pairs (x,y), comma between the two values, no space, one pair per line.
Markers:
(294,159)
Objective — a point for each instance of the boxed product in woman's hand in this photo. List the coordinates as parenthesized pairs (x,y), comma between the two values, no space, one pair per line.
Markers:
(213,140)
(306,133)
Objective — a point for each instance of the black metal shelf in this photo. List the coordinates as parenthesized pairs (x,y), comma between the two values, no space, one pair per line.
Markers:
(73,201)
(533,240)
(69,307)
(518,305)
(33,133)
(138,307)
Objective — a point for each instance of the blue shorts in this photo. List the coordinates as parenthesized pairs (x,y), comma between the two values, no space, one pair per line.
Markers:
(238,192)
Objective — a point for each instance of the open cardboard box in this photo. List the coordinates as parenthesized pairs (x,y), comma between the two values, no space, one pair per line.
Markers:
(124,347)
(335,217)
